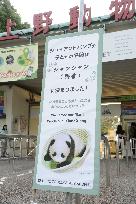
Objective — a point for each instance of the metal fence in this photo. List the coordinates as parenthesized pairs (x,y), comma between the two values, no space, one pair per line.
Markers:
(20,146)
(17,146)
(106,158)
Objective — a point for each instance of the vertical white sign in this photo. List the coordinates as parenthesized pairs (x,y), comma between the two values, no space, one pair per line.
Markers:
(67,155)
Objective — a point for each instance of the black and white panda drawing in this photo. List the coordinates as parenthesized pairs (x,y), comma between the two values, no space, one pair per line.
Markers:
(63,148)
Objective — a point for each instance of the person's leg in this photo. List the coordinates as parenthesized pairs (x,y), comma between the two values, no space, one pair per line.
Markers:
(133,146)
(119,143)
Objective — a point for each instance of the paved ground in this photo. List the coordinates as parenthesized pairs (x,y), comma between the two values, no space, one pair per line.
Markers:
(15,186)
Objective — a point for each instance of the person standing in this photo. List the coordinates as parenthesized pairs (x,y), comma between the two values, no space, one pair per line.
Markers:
(4,131)
(121,136)
(132,135)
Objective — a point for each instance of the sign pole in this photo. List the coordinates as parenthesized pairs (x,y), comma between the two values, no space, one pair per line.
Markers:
(34,197)
(68,198)
(79,128)
(81,15)
(80,29)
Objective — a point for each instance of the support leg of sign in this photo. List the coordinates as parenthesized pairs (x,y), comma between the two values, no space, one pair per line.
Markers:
(34,197)
(77,198)
(68,198)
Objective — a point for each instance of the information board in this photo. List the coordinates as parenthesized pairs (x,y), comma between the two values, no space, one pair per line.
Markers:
(18,63)
(67,157)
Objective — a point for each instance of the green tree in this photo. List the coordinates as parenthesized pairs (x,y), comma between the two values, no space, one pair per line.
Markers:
(8,11)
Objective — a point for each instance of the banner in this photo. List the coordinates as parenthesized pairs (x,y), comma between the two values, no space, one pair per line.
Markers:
(18,63)
(119,45)
(67,157)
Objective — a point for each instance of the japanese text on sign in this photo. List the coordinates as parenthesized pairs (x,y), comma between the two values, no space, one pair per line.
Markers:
(69,119)
(122,10)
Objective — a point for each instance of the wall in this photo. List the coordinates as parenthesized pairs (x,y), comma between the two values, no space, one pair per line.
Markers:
(110,118)
(34,120)
(16,106)
(20,108)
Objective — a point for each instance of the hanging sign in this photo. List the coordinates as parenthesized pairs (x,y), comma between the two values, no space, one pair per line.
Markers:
(18,63)
(67,156)
(128,108)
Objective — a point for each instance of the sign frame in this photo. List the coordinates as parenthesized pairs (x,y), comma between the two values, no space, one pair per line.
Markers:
(96,185)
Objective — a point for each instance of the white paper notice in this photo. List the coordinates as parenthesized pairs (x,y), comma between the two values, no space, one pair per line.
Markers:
(119,45)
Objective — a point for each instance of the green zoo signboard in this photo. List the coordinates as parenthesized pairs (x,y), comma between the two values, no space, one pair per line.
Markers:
(67,157)
(18,63)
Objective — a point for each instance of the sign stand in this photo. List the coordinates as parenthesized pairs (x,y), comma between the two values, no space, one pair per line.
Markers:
(68,198)
(77,198)
(80,29)
(34,196)
(67,201)
(81,131)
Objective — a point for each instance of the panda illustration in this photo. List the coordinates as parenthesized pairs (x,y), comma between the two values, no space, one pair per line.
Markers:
(63,148)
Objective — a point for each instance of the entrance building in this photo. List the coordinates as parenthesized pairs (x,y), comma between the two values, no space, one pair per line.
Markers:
(22,98)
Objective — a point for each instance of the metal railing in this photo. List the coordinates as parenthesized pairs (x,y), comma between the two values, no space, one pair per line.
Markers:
(69,196)
(17,138)
(107,158)
(16,143)
(126,152)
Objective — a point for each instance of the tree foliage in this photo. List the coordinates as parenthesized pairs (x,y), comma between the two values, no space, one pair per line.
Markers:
(8,11)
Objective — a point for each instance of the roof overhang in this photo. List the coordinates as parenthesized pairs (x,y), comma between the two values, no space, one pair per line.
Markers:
(119,78)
